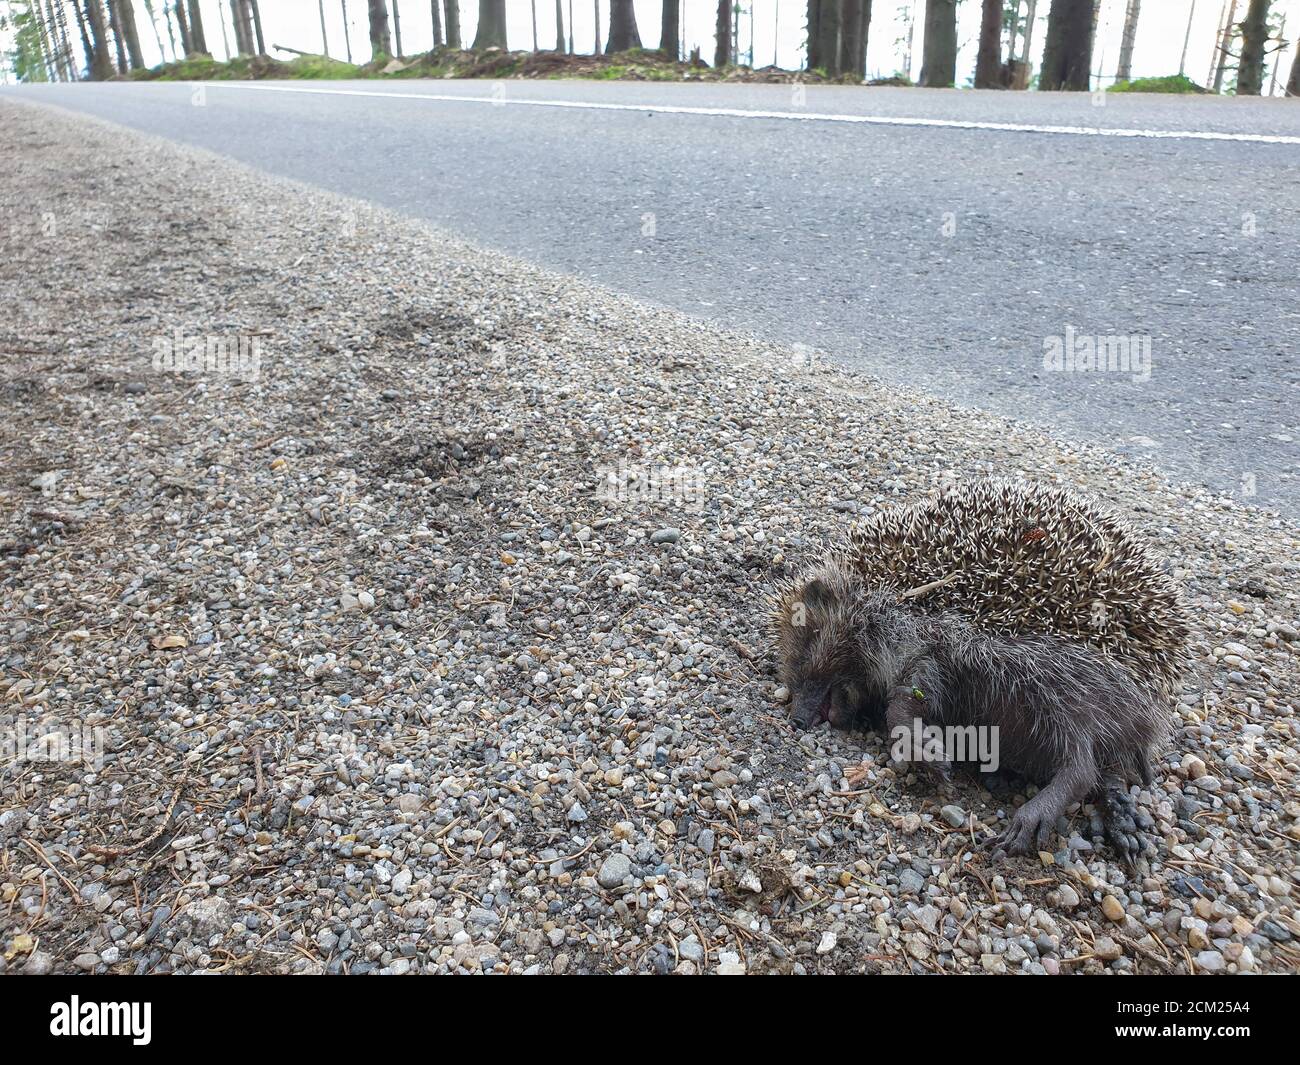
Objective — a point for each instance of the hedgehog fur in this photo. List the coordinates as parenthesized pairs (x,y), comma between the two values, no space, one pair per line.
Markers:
(998,604)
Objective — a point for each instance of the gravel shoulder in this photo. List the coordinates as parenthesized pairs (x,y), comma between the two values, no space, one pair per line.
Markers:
(400,668)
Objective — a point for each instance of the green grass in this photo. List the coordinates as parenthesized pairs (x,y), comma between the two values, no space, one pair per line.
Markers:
(1169,83)
(636,63)
(194,68)
(319,66)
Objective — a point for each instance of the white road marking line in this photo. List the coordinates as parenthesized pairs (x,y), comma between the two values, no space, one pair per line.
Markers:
(795,116)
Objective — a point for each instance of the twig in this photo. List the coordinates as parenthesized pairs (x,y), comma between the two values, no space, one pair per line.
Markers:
(117,852)
(257,769)
(912,593)
(36,849)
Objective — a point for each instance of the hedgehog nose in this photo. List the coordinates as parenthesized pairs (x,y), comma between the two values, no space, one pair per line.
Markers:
(807,710)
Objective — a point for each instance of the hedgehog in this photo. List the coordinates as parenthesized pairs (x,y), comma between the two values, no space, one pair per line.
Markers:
(997,604)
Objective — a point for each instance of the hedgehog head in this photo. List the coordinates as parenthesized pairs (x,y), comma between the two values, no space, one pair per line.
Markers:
(820,627)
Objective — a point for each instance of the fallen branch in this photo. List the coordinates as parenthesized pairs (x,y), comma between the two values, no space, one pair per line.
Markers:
(295,51)
(118,852)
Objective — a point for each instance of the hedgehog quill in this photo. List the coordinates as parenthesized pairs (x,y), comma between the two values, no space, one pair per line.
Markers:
(1024,610)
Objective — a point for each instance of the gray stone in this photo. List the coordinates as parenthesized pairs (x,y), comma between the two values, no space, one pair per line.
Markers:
(614,870)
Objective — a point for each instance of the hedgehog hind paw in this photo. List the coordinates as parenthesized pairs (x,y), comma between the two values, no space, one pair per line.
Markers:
(1124,825)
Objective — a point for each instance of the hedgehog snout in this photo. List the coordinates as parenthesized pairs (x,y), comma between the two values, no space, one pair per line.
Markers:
(812,705)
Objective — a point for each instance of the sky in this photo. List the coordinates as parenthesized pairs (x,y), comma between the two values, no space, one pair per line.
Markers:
(777,30)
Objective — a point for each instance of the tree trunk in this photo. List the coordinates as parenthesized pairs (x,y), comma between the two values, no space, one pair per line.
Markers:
(347,34)
(58,47)
(1293,82)
(828,36)
(812,54)
(722,47)
(1187,36)
(46,63)
(169,17)
(68,40)
(1277,63)
(939,59)
(491,25)
(58,52)
(1067,54)
(241,14)
(86,46)
(197,36)
(119,45)
(101,62)
(1224,43)
(570,27)
(1124,71)
(853,37)
(225,37)
(234,23)
(559,26)
(829,26)
(324,37)
(1254,35)
(622,27)
(397,28)
(669,28)
(257,27)
(183,27)
(126,14)
(435,14)
(988,62)
(381,44)
(1031,17)
(153,21)
(452,8)
(532,7)
(237,22)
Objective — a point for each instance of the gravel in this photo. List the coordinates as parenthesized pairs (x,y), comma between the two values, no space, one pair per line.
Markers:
(397,671)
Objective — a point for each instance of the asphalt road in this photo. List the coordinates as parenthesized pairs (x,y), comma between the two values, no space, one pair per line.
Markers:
(938,255)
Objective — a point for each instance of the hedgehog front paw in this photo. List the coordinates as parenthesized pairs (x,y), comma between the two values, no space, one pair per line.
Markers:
(940,774)
(1028,832)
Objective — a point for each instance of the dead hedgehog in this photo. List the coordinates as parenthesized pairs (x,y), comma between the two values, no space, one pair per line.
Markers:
(1003,605)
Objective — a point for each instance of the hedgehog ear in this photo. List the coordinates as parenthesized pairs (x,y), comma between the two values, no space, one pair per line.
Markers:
(818,596)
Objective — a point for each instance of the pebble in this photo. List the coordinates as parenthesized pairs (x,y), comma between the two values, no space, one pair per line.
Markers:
(911,882)
(1107,949)
(614,870)
(38,963)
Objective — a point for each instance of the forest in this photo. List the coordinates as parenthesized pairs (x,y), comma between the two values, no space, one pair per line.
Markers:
(100,40)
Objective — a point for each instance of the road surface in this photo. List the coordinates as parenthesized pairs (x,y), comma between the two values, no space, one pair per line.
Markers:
(949,240)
